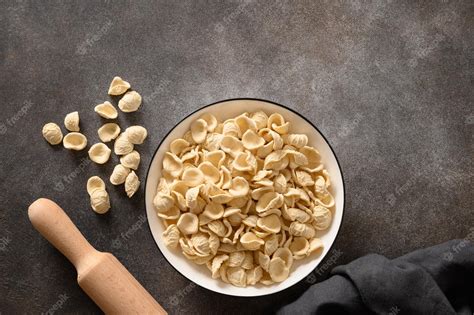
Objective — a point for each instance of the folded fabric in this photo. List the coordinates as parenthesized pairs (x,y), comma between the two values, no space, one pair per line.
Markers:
(435,280)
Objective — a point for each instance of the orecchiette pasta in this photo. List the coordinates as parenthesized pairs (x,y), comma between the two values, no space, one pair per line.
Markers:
(171,236)
(95,183)
(243,196)
(100,201)
(52,133)
(130,102)
(75,141)
(108,132)
(106,110)
(118,86)
(71,121)
(188,223)
(119,174)
(178,146)
(131,160)
(136,134)
(131,184)
(99,153)
(251,140)
(210,120)
(122,145)
(199,130)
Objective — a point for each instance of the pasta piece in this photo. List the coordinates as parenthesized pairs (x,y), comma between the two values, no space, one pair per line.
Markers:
(95,183)
(131,160)
(322,218)
(250,241)
(216,158)
(251,140)
(231,129)
(269,223)
(199,130)
(284,254)
(210,120)
(119,174)
(237,276)
(231,145)
(245,162)
(136,134)
(177,146)
(172,214)
(118,86)
(192,199)
(217,227)
(278,270)
(314,245)
(299,246)
(265,150)
(216,265)
(263,260)
(302,229)
(75,141)
(260,119)
(163,202)
(218,195)
(245,123)
(277,123)
(280,183)
(192,177)
(296,140)
(271,245)
(100,201)
(172,165)
(130,102)
(295,214)
(106,110)
(247,264)
(108,132)
(314,159)
(254,275)
(52,133)
(236,258)
(240,187)
(210,172)
(171,236)
(276,160)
(303,179)
(99,153)
(131,184)
(214,243)
(213,211)
(188,223)
(122,145)
(71,121)
(270,200)
(200,243)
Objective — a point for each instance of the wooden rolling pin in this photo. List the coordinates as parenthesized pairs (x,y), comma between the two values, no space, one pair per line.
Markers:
(107,282)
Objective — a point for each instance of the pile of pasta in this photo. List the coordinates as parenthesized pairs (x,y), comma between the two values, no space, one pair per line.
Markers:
(245,197)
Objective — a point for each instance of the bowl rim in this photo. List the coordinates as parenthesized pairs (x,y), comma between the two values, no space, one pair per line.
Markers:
(245,99)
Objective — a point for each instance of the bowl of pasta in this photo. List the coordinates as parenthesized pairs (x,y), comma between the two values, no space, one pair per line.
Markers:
(244,197)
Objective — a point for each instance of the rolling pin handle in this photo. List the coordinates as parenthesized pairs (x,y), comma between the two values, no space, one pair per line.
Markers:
(54,224)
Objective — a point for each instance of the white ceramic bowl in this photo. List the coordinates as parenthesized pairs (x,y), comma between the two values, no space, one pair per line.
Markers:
(224,110)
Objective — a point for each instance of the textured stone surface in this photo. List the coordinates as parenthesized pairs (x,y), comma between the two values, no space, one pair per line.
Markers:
(389,84)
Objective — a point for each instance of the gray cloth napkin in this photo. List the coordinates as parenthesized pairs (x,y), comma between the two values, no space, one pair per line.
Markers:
(435,280)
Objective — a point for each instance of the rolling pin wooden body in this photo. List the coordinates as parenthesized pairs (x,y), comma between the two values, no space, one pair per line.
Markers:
(107,282)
